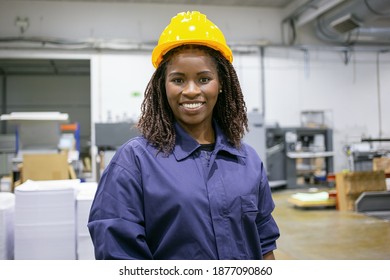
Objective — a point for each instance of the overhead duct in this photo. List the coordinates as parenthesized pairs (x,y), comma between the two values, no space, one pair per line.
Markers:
(354,22)
(378,35)
(345,24)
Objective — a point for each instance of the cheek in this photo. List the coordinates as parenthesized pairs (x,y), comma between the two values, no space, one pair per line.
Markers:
(212,92)
(172,89)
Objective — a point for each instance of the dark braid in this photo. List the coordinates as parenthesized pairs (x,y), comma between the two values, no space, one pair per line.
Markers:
(157,120)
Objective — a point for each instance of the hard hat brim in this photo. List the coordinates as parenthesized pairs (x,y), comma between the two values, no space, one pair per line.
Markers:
(160,50)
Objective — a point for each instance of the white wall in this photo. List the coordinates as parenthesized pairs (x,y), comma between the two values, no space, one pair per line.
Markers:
(120,77)
(349,92)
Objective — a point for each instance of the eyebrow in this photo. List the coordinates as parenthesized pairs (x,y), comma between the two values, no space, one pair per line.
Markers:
(175,74)
(182,74)
(205,72)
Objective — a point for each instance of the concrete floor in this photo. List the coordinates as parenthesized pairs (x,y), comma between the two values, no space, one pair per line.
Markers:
(328,234)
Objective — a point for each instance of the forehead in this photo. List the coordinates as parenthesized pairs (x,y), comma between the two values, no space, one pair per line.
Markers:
(191,56)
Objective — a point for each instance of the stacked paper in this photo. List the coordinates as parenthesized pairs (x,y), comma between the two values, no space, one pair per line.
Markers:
(7,207)
(45,224)
(85,195)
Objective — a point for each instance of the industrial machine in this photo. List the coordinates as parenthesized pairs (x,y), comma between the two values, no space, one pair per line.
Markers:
(109,137)
(299,155)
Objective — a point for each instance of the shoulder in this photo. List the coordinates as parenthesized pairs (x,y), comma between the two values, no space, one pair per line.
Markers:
(250,152)
(134,145)
(138,143)
(131,151)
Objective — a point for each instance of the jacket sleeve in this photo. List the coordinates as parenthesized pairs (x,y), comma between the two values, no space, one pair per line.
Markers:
(116,220)
(266,225)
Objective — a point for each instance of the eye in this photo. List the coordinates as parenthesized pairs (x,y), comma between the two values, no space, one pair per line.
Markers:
(177,80)
(204,80)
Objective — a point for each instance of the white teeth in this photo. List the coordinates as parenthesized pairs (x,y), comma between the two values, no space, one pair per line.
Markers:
(192,105)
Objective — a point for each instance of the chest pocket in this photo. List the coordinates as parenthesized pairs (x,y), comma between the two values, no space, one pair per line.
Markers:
(249,208)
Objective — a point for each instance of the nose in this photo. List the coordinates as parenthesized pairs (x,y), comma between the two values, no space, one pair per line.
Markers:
(191,89)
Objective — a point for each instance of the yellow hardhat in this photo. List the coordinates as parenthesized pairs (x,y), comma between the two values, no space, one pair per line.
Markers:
(190,28)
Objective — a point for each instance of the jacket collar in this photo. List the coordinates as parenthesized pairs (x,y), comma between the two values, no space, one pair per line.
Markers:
(185,145)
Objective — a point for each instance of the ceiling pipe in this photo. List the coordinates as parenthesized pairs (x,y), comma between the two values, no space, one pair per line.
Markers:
(291,19)
(377,34)
(349,23)
(315,10)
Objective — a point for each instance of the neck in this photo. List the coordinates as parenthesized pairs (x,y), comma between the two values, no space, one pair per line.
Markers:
(203,134)
(205,137)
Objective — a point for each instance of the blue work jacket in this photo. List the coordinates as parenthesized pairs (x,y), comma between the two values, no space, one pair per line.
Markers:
(190,204)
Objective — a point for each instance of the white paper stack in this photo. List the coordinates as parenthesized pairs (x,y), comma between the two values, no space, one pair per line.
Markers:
(45,226)
(85,195)
(7,208)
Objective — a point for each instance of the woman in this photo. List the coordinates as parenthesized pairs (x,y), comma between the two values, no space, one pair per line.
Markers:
(188,188)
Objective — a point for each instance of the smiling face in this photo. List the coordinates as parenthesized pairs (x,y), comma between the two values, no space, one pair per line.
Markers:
(192,86)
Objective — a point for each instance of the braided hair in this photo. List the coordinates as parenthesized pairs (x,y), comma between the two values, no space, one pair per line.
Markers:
(156,123)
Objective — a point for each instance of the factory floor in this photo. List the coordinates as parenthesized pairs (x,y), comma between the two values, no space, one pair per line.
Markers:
(328,234)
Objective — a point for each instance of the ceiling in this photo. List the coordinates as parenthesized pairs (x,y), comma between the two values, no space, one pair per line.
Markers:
(242,3)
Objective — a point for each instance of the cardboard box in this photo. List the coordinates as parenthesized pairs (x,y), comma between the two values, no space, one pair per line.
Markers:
(40,167)
(351,185)
(381,164)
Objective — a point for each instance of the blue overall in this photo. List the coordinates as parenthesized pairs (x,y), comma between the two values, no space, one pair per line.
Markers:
(190,204)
